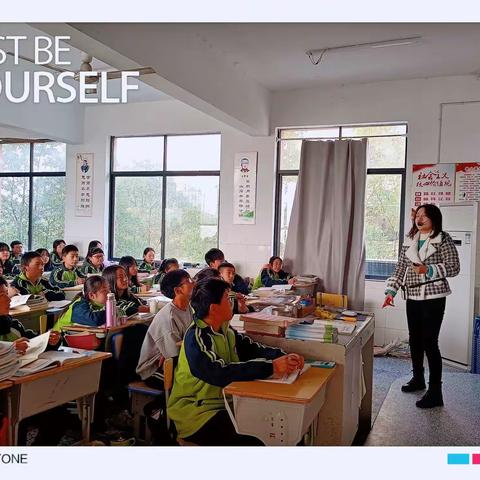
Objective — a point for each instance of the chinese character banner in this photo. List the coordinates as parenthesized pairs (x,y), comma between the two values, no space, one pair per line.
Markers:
(434,183)
(84,185)
(244,188)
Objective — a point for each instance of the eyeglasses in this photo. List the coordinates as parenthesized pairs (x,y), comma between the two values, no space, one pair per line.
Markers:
(188,281)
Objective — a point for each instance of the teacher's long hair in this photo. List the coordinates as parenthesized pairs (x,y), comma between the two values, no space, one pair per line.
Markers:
(435,216)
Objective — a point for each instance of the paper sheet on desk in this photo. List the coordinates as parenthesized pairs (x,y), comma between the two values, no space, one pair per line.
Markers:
(19,300)
(36,346)
(288,378)
(59,303)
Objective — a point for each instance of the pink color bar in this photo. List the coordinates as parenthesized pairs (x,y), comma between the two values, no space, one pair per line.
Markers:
(476,458)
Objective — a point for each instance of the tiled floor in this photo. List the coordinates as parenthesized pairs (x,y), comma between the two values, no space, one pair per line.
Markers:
(397,421)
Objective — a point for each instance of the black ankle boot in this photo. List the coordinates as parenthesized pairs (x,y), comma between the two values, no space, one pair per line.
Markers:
(433,398)
(415,384)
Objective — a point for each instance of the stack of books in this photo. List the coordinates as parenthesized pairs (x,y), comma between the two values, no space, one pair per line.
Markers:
(9,362)
(267,324)
(318,332)
(28,301)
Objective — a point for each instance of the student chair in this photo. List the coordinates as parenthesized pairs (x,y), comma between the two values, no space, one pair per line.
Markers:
(168,372)
(42,327)
(335,300)
(140,395)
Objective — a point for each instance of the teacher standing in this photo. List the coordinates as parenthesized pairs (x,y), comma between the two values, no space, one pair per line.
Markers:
(427,257)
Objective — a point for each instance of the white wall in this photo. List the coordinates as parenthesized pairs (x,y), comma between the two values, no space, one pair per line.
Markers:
(247,246)
(414,101)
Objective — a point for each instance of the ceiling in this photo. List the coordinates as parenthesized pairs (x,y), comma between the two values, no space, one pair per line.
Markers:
(274,54)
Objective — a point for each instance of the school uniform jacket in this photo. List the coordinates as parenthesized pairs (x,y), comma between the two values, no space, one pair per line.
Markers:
(88,269)
(27,287)
(61,277)
(439,254)
(8,268)
(146,267)
(11,330)
(82,312)
(209,361)
(270,278)
(55,260)
(128,304)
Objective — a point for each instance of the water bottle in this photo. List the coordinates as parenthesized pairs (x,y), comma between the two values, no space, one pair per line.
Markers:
(111,312)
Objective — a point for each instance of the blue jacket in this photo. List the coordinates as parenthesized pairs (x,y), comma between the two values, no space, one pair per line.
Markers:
(270,278)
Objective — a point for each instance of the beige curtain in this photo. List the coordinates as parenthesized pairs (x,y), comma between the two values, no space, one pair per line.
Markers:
(325,233)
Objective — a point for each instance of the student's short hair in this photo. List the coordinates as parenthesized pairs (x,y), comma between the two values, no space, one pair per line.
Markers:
(167,263)
(207,293)
(171,281)
(148,249)
(206,273)
(214,254)
(27,258)
(4,247)
(69,248)
(226,265)
(3,281)
(56,243)
(93,284)
(40,251)
(15,243)
(272,259)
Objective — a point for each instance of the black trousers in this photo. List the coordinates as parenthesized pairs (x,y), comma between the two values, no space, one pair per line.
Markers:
(424,321)
(219,431)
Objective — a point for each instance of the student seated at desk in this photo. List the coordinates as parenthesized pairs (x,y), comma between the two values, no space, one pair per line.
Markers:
(148,264)
(30,281)
(214,258)
(130,266)
(13,330)
(272,274)
(127,302)
(89,308)
(167,265)
(167,328)
(47,264)
(212,356)
(17,252)
(5,261)
(56,255)
(68,275)
(93,264)
(227,273)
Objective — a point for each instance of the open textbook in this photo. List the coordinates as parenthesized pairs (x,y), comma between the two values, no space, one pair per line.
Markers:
(37,359)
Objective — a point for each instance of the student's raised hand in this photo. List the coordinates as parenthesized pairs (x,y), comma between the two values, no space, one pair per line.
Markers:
(54,337)
(242,305)
(21,345)
(80,281)
(143,309)
(388,301)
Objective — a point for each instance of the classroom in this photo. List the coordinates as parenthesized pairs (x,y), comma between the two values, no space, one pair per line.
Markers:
(268,235)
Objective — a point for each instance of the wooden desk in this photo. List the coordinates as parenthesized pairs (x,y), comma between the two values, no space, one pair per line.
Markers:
(346,412)
(108,332)
(280,414)
(4,384)
(36,393)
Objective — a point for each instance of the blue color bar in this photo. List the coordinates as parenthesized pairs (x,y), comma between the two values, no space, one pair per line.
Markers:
(459,459)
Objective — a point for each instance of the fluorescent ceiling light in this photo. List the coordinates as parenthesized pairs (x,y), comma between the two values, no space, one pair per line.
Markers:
(394,42)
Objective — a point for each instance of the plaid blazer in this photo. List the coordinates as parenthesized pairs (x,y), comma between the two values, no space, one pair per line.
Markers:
(438,252)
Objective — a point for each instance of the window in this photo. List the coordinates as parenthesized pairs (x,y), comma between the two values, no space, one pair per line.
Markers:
(164,195)
(32,193)
(384,209)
